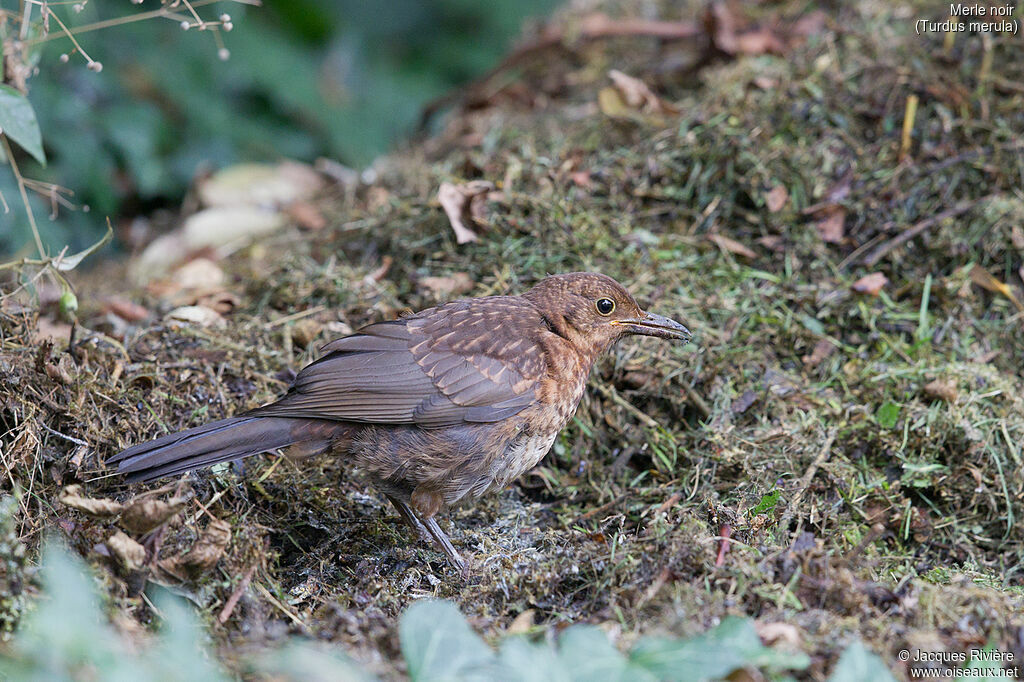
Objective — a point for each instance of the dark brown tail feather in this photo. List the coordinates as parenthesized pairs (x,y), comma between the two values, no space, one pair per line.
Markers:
(222,441)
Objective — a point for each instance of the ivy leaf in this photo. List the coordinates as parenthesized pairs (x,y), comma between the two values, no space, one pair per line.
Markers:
(438,644)
(731,646)
(18,122)
(857,663)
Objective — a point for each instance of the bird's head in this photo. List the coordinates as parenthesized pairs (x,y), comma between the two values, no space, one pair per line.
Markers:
(593,311)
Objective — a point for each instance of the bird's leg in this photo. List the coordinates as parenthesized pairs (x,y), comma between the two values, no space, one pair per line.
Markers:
(429,530)
(442,540)
(410,517)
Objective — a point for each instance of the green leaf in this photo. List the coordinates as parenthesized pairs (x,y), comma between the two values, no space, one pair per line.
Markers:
(586,653)
(524,661)
(732,645)
(18,122)
(857,664)
(767,503)
(302,661)
(887,414)
(438,644)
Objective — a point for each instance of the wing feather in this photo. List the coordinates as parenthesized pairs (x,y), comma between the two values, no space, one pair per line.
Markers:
(444,366)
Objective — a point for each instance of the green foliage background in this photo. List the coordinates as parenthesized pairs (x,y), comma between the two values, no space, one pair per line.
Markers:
(306,78)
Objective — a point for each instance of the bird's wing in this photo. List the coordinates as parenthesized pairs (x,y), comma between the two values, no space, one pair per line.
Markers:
(462,362)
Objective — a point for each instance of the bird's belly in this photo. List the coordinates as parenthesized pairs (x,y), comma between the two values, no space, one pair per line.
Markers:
(521,455)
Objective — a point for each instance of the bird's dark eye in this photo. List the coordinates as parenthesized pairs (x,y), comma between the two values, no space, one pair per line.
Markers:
(605,306)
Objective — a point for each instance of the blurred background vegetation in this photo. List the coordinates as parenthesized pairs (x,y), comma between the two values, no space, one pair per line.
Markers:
(342,79)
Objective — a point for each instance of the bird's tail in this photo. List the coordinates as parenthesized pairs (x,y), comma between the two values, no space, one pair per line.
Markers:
(223,441)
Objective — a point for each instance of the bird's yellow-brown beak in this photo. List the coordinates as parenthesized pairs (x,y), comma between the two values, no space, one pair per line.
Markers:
(650,324)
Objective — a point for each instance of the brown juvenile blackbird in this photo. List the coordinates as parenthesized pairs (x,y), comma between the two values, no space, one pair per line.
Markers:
(437,407)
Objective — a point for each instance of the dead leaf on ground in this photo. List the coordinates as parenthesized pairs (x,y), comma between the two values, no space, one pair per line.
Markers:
(637,95)
(822,349)
(198,273)
(260,184)
(730,36)
(732,246)
(457,202)
(454,284)
(205,552)
(142,515)
(809,24)
(870,284)
(778,633)
(985,280)
(197,315)
(743,403)
(305,331)
(125,309)
(101,507)
(1017,237)
(581,179)
(522,623)
(307,216)
(129,553)
(831,224)
(772,242)
(775,199)
(941,390)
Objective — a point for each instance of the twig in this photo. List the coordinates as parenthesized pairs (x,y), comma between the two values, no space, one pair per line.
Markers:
(805,480)
(726,534)
(697,401)
(229,605)
(597,510)
(614,396)
(918,228)
(24,195)
(64,436)
(281,607)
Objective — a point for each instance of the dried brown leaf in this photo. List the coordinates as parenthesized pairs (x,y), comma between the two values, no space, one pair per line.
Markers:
(831,225)
(1017,237)
(197,315)
(613,104)
(452,285)
(732,246)
(205,552)
(198,273)
(307,215)
(986,280)
(776,198)
(142,515)
(456,200)
(941,390)
(125,309)
(870,284)
(637,95)
(129,553)
(522,623)
(101,507)
(778,633)
(822,349)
